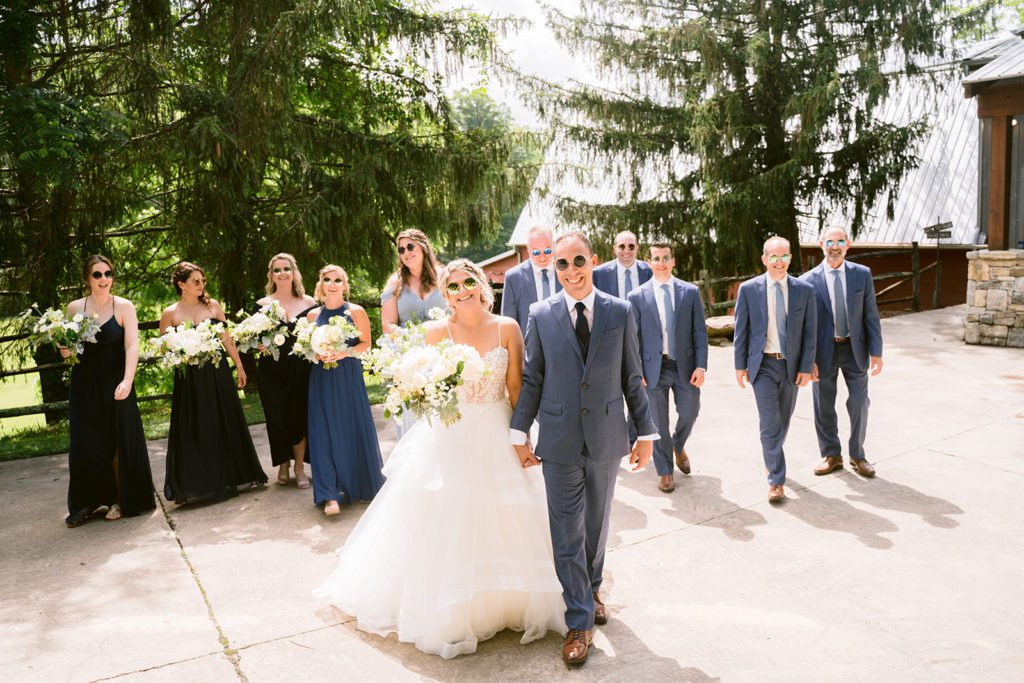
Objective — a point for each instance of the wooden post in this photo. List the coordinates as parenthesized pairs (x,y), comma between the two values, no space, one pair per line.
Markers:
(915,267)
(938,274)
(705,288)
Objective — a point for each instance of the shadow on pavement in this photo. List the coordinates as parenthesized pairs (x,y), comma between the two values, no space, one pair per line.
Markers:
(888,495)
(832,514)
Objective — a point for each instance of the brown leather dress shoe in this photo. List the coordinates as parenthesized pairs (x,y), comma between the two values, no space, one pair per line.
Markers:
(830,463)
(683,461)
(667,484)
(600,611)
(576,646)
(776,494)
(863,468)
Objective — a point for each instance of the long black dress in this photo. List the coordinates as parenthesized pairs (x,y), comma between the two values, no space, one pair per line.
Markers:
(284,392)
(106,434)
(209,449)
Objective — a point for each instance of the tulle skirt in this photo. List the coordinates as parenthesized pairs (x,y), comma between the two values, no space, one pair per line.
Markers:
(456,546)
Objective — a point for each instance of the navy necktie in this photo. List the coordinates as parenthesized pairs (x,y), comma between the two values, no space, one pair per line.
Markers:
(582,328)
(842,328)
(780,316)
(670,319)
(545,286)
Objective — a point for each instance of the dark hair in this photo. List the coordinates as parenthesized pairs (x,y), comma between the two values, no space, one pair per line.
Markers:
(91,261)
(660,245)
(181,274)
(575,235)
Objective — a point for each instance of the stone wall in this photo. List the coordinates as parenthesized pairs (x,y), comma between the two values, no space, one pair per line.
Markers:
(995,298)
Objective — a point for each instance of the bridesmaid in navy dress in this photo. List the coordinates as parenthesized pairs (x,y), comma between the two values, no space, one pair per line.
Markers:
(343,450)
(108,460)
(284,383)
(209,448)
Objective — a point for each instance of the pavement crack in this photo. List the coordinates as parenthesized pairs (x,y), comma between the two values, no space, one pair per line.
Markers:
(229,652)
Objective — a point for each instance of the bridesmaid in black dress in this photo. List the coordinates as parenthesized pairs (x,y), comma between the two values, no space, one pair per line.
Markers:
(209,449)
(284,383)
(108,461)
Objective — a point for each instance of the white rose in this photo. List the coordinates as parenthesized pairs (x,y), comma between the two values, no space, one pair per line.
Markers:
(278,340)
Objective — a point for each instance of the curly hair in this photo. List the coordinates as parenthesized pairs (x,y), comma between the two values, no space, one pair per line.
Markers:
(182,272)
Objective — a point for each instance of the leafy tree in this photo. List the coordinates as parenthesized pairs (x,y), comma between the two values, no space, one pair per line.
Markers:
(744,111)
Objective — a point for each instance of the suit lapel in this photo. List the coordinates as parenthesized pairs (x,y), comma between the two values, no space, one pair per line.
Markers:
(651,298)
(677,299)
(792,333)
(561,312)
(601,306)
(820,283)
(761,290)
(531,281)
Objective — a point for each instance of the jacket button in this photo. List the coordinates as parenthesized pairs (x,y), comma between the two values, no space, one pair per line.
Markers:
(586,386)
(586,411)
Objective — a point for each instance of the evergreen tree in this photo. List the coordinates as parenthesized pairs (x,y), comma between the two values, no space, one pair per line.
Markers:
(744,111)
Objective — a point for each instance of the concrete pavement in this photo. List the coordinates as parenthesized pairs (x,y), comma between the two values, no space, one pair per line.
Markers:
(914,575)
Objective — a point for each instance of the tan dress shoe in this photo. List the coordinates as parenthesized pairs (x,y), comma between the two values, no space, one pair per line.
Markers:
(863,468)
(776,494)
(667,484)
(576,646)
(683,461)
(830,463)
(600,611)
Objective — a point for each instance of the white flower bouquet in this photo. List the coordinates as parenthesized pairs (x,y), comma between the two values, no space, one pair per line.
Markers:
(264,332)
(54,327)
(422,378)
(189,344)
(312,340)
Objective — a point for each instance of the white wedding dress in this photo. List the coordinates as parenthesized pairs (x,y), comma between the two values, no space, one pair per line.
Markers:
(456,546)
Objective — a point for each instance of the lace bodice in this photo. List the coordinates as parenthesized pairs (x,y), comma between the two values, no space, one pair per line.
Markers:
(490,389)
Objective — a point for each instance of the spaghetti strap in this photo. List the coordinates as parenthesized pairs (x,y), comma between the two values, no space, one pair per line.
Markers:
(499,330)
(448,329)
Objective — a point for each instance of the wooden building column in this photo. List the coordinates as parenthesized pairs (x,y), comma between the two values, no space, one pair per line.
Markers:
(999,184)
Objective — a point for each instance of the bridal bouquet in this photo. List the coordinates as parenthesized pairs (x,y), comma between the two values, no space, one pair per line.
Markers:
(189,344)
(53,327)
(267,328)
(312,340)
(422,378)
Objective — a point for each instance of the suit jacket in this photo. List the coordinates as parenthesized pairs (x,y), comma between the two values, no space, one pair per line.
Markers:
(520,292)
(579,401)
(690,332)
(606,278)
(862,317)
(752,326)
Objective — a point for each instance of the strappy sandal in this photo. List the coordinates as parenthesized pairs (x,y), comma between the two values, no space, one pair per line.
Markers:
(114,513)
(301,480)
(282,475)
(80,517)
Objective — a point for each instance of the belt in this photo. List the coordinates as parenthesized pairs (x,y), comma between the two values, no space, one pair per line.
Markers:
(841,340)
(776,356)
(666,357)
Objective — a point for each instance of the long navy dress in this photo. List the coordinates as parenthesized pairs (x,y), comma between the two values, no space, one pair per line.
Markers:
(209,448)
(105,432)
(283,386)
(344,454)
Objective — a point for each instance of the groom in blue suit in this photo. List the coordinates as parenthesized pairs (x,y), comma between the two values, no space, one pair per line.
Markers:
(774,351)
(674,348)
(582,367)
(849,339)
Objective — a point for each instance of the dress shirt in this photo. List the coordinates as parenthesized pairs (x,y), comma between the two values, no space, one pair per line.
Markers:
(660,300)
(620,274)
(771,344)
(539,283)
(518,437)
(830,280)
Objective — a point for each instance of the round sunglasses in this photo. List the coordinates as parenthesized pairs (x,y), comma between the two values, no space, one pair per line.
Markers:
(538,252)
(469,284)
(282,269)
(96,275)
(337,280)
(579,260)
(659,259)
(631,247)
(410,247)
(835,243)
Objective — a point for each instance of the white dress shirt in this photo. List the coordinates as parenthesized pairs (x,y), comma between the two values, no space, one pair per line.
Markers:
(830,280)
(518,437)
(539,284)
(659,298)
(772,344)
(620,273)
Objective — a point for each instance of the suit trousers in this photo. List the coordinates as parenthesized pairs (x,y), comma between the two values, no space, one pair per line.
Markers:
(826,422)
(775,396)
(579,504)
(687,400)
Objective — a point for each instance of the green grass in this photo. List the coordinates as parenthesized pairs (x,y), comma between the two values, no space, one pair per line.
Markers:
(41,439)
(17,391)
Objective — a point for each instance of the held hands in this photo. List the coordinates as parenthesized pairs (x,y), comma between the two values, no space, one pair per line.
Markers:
(876,365)
(121,390)
(697,378)
(526,456)
(742,378)
(332,357)
(641,454)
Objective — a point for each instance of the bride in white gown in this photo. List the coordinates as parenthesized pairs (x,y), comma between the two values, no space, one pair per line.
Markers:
(456,546)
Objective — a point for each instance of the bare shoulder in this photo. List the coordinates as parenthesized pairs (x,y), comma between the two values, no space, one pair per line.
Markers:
(264,301)
(76,306)
(312,314)
(392,281)
(308,300)
(508,325)
(356,308)
(121,302)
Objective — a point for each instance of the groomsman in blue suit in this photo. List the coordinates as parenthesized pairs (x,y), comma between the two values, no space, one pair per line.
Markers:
(532,280)
(582,366)
(674,349)
(625,273)
(849,339)
(774,351)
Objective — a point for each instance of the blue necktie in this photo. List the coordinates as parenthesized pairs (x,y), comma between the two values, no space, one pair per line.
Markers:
(627,285)
(545,286)
(670,320)
(842,329)
(780,316)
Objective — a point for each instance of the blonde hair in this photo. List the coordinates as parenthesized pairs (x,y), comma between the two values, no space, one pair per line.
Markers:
(428,278)
(297,288)
(319,293)
(469,268)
